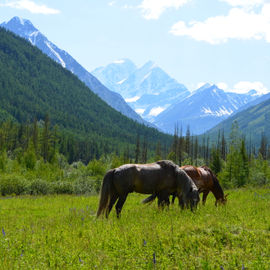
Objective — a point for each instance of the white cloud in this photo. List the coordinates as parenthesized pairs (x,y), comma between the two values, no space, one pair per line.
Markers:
(245,86)
(222,85)
(31,7)
(239,24)
(111,3)
(244,3)
(152,9)
(200,84)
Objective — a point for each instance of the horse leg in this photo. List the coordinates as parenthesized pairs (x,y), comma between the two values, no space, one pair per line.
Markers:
(163,199)
(181,202)
(205,193)
(120,204)
(173,197)
(112,202)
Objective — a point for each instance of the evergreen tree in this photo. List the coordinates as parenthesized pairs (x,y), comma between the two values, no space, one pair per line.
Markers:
(158,152)
(263,146)
(137,150)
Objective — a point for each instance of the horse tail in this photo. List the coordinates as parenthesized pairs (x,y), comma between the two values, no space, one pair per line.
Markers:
(150,199)
(105,193)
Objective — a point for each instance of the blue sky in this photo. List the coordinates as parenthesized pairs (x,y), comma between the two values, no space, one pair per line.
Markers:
(226,42)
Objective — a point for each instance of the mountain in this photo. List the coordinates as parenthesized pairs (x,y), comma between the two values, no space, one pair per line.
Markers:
(113,74)
(33,85)
(202,110)
(24,28)
(148,89)
(252,122)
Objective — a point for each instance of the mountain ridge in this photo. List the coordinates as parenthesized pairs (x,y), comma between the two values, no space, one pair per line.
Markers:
(202,110)
(27,30)
(148,89)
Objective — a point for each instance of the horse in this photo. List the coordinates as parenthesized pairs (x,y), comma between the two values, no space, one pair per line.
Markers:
(162,178)
(205,180)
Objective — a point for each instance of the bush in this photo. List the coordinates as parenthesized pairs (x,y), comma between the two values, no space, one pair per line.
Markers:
(39,186)
(12,184)
(84,185)
(62,187)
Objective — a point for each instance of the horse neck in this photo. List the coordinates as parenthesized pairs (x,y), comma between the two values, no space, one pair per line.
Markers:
(217,189)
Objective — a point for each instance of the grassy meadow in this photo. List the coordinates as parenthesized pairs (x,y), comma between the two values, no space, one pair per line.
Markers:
(62,232)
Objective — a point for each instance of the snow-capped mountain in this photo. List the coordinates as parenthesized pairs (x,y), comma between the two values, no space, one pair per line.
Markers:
(202,110)
(148,89)
(26,29)
(114,74)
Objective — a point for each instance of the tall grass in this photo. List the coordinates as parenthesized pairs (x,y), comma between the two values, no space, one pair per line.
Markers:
(62,232)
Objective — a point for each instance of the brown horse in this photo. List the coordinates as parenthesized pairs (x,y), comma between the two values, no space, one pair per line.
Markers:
(162,178)
(205,180)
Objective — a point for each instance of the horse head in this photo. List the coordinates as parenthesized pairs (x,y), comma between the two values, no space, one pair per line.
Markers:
(222,200)
(193,197)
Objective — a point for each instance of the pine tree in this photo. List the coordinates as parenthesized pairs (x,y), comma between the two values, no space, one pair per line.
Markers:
(137,150)
(158,151)
(46,139)
(263,147)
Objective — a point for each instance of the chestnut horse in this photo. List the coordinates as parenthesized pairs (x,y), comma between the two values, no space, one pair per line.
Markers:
(162,178)
(204,179)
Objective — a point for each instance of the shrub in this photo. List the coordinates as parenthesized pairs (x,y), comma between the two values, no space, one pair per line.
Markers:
(12,184)
(39,186)
(62,187)
(84,185)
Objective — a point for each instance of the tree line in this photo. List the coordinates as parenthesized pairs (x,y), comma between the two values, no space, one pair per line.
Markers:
(39,158)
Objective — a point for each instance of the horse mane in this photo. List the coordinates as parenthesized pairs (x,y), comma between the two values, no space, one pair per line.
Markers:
(217,189)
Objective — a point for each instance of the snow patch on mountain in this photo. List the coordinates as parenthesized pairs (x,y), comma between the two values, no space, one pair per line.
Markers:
(120,82)
(56,54)
(156,111)
(133,99)
(140,111)
(121,61)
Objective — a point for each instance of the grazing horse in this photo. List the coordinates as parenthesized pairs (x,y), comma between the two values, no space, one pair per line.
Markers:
(162,178)
(204,179)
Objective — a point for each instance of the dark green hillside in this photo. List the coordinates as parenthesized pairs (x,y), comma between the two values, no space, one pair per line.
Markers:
(252,123)
(32,85)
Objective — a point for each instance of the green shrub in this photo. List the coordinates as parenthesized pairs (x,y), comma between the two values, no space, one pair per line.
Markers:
(62,187)
(12,184)
(84,185)
(39,186)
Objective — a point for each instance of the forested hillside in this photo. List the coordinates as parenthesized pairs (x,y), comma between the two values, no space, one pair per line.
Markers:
(33,86)
(253,123)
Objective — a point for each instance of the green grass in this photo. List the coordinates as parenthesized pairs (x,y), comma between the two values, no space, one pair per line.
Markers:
(61,232)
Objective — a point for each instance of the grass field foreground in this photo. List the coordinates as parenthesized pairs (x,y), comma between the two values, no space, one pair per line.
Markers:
(62,232)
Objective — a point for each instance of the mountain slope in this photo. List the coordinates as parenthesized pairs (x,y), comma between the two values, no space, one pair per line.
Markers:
(202,110)
(252,122)
(32,85)
(25,29)
(148,89)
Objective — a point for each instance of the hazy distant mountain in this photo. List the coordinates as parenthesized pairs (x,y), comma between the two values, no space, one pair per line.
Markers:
(25,29)
(202,110)
(148,89)
(252,122)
